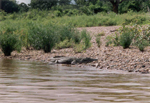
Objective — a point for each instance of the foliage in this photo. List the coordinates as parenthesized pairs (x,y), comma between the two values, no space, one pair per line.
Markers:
(116,40)
(135,20)
(50,36)
(109,40)
(43,4)
(78,17)
(65,44)
(23,7)
(126,38)
(85,36)
(46,35)
(142,44)
(9,41)
(101,34)
(134,35)
(42,37)
(78,48)
(9,6)
(84,43)
(64,2)
(98,41)
(88,7)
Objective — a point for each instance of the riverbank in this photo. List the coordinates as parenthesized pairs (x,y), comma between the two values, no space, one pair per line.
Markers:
(132,59)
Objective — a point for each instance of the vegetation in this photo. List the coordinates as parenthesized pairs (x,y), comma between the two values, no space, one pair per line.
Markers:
(9,41)
(40,36)
(98,39)
(135,35)
(101,34)
(126,38)
(48,24)
(86,6)
(100,19)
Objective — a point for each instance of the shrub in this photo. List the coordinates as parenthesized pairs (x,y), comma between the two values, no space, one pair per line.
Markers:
(79,47)
(48,36)
(58,13)
(98,41)
(142,45)
(13,16)
(86,10)
(42,37)
(9,41)
(135,20)
(116,40)
(84,42)
(126,39)
(64,44)
(141,37)
(86,39)
(134,34)
(101,34)
(67,32)
(109,40)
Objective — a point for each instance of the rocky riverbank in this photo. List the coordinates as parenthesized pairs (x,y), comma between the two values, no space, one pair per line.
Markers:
(131,59)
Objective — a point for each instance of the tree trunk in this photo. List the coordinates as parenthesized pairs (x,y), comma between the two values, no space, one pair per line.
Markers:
(115,4)
(115,8)
(148,9)
(0,4)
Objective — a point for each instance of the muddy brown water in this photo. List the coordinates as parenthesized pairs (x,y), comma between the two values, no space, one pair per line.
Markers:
(34,82)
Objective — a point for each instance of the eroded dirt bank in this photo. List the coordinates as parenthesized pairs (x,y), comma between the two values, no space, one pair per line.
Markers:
(131,59)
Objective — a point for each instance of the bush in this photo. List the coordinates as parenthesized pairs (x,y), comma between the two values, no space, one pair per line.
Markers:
(64,44)
(109,40)
(101,34)
(49,36)
(126,39)
(58,13)
(135,20)
(86,39)
(116,40)
(79,47)
(67,32)
(9,41)
(84,42)
(142,45)
(98,41)
(42,37)
(134,35)
(86,10)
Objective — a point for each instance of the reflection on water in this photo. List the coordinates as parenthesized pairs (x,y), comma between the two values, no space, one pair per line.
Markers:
(32,82)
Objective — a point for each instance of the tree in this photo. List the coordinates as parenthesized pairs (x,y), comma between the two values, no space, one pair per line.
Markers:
(64,2)
(23,7)
(85,2)
(0,4)
(115,4)
(80,2)
(43,4)
(93,1)
(9,6)
(134,5)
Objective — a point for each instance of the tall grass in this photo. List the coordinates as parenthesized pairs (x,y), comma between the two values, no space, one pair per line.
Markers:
(134,35)
(45,36)
(100,19)
(10,41)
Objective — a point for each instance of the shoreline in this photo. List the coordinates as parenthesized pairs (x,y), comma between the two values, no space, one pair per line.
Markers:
(110,58)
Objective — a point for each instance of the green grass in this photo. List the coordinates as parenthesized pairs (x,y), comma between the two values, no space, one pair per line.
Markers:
(100,19)
(135,35)
(98,41)
(47,29)
(45,35)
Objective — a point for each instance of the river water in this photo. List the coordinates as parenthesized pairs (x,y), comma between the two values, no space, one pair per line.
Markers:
(33,82)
